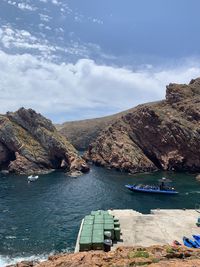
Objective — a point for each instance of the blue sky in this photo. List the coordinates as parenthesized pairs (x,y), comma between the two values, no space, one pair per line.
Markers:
(79,59)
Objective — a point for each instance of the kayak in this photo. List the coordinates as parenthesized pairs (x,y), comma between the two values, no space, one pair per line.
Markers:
(190,243)
(150,189)
(197,238)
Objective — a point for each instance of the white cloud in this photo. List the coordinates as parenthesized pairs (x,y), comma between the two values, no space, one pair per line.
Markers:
(25,41)
(56,2)
(56,89)
(45,18)
(21,39)
(95,20)
(13,3)
(78,17)
(25,6)
(64,7)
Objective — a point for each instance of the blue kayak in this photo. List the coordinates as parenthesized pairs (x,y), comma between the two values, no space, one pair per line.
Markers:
(150,189)
(190,243)
(197,238)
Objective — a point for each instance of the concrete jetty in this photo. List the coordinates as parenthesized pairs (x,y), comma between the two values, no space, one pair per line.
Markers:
(160,227)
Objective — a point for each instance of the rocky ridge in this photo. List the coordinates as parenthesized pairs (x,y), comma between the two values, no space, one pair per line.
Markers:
(154,256)
(29,144)
(162,135)
(82,133)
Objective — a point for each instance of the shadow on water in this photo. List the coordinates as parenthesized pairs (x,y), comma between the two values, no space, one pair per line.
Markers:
(44,216)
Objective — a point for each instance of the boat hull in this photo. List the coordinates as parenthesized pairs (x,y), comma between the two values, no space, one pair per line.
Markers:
(152,191)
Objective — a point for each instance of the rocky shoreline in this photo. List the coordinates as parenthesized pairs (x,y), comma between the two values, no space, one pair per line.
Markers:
(158,256)
(30,144)
(164,135)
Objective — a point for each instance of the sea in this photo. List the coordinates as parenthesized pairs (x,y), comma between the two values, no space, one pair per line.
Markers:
(43,217)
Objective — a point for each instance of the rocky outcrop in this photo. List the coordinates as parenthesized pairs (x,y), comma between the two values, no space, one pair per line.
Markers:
(82,133)
(154,256)
(29,143)
(162,135)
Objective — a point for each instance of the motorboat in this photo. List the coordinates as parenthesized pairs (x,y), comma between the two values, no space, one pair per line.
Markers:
(32,178)
(162,188)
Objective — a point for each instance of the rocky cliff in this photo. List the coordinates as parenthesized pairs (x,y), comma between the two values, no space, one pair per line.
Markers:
(82,133)
(162,135)
(29,143)
(154,256)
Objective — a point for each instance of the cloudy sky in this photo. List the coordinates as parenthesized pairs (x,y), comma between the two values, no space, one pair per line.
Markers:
(76,59)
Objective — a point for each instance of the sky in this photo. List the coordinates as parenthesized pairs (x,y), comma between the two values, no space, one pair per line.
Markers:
(75,59)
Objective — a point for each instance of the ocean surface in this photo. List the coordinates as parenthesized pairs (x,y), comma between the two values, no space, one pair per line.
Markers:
(43,217)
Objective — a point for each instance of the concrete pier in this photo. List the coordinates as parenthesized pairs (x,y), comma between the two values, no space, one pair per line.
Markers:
(160,227)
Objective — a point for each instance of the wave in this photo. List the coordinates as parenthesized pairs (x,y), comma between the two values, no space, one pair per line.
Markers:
(7,260)
(192,192)
(10,237)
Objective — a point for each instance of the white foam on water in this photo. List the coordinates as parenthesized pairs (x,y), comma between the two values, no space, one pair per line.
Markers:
(6,260)
(193,192)
(11,237)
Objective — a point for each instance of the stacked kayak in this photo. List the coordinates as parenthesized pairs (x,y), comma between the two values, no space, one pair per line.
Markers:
(197,238)
(192,243)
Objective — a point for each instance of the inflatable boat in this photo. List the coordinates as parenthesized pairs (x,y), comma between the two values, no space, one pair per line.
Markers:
(151,189)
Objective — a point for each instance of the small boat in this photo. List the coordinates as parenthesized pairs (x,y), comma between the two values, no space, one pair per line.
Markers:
(32,178)
(190,243)
(162,188)
(150,189)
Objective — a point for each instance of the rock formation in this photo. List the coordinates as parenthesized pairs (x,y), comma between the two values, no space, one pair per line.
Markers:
(161,135)
(82,133)
(29,143)
(154,256)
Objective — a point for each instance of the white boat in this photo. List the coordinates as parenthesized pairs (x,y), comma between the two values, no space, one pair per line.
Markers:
(32,178)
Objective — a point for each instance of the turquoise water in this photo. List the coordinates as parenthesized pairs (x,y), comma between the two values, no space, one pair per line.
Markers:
(44,217)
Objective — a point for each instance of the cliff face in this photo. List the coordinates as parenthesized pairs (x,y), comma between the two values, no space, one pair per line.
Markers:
(29,143)
(82,133)
(162,135)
